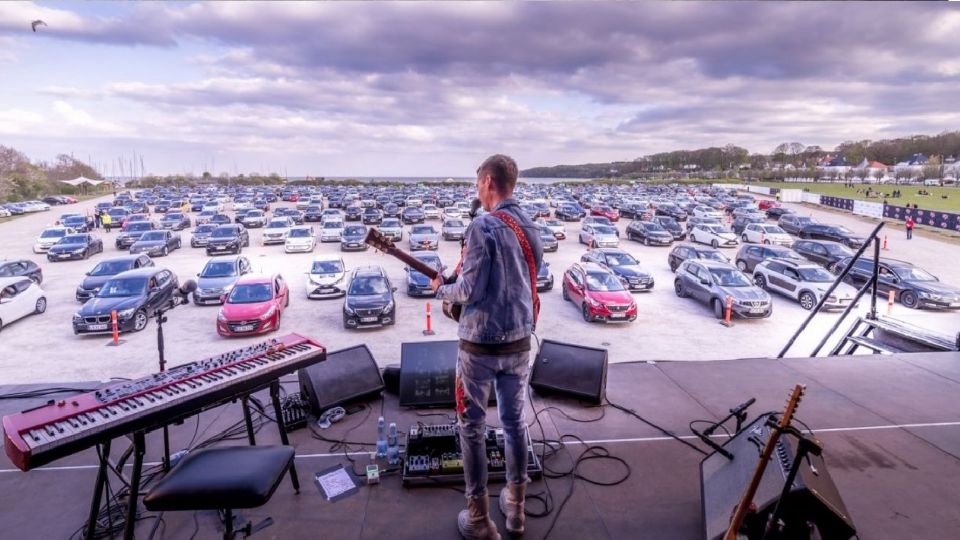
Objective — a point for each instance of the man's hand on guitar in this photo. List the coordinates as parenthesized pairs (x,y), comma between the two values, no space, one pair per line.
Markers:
(436,282)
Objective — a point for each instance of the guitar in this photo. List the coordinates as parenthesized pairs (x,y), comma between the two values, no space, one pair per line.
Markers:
(385,245)
(740,512)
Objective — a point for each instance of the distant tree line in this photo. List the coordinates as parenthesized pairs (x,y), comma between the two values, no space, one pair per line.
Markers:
(21,179)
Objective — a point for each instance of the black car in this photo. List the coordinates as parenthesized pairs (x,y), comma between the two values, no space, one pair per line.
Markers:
(372,216)
(412,214)
(369,300)
(750,255)
(162,207)
(671,225)
(354,212)
(175,221)
(822,252)
(636,211)
(21,267)
(221,219)
(418,284)
(228,239)
(912,286)
(391,210)
(132,232)
(649,233)
(671,210)
(569,212)
(133,294)
(682,252)
(835,233)
(776,212)
(624,266)
(105,270)
(312,213)
(544,278)
(77,223)
(75,246)
(157,243)
(352,238)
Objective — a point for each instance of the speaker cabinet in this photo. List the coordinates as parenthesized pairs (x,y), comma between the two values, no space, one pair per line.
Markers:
(570,370)
(813,498)
(346,376)
(428,373)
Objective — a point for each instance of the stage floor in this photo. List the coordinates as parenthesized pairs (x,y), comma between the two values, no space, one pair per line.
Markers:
(890,427)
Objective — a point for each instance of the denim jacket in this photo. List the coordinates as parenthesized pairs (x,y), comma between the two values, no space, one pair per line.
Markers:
(494,283)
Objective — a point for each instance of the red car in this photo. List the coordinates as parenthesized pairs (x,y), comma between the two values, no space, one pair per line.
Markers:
(599,293)
(605,211)
(253,306)
(766,204)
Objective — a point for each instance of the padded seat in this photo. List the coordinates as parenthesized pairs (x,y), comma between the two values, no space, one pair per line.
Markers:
(221,478)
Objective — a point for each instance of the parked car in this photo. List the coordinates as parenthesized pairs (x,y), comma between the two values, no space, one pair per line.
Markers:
(544,278)
(292,213)
(671,226)
(703,211)
(354,212)
(352,238)
(204,217)
(157,243)
(555,225)
(649,233)
(254,306)
(802,281)
(777,212)
(331,231)
(132,231)
(453,229)
(218,277)
(424,237)
(598,293)
(75,246)
(451,212)
(372,216)
(714,235)
(605,211)
(50,236)
(254,218)
(21,268)
(228,239)
(369,300)
(912,286)
(741,222)
(391,228)
(327,277)
(20,296)
(107,269)
(200,235)
(792,223)
(762,233)
(134,295)
(671,210)
(749,256)
(175,221)
(548,240)
(624,265)
(594,236)
(683,252)
(822,252)
(77,222)
(430,211)
(301,239)
(834,233)
(712,282)
(569,212)
(418,284)
(276,230)
(411,215)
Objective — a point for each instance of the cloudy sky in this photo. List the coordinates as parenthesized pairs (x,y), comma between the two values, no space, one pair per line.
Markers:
(411,89)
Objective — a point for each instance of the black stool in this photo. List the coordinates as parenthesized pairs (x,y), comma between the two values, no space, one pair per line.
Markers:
(222,479)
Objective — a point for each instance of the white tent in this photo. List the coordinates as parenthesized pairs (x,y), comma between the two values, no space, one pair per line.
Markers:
(83,180)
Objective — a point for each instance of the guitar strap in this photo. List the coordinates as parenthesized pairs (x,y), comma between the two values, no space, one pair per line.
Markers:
(528,254)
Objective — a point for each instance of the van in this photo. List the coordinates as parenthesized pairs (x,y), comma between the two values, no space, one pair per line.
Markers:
(931,182)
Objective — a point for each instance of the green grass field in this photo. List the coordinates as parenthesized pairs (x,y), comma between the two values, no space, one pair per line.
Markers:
(934,201)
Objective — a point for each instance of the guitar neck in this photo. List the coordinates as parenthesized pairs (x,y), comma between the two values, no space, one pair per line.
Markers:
(414,262)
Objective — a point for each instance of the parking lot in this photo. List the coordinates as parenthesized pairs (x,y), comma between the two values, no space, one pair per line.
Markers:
(43,347)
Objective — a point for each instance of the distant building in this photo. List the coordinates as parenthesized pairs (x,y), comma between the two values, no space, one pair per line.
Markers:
(913,165)
(834,164)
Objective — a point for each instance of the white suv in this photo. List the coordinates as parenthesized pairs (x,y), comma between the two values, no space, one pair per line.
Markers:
(804,282)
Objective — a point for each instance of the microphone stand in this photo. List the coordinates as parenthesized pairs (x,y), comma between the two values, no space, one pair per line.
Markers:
(740,413)
(180,297)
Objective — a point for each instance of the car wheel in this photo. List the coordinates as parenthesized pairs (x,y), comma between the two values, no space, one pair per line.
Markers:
(909,299)
(760,281)
(165,251)
(693,238)
(766,242)
(807,300)
(744,238)
(742,265)
(714,243)
(678,288)
(717,308)
(41,305)
(139,320)
(564,293)
(586,313)
(673,267)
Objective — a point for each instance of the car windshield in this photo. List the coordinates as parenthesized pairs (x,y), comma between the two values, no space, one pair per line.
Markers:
(215,269)
(837,249)
(785,253)
(423,229)
(255,213)
(138,226)
(620,259)
(173,217)
(250,293)
(119,288)
(53,233)
(839,229)
(333,225)
(73,239)
(278,224)
(326,267)
(299,233)
(111,268)
(711,255)
(603,282)
(716,229)
(204,229)
(223,232)
(354,230)
(454,223)
(667,221)
(430,261)
(915,274)
(815,274)
(365,285)
(653,227)
(729,277)
(153,236)
(603,229)
(773,229)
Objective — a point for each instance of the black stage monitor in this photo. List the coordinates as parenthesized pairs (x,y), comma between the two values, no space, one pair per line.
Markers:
(570,370)
(427,373)
(347,375)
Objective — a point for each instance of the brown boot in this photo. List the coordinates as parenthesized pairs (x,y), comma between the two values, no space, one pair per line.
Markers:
(511,505)
(475,523)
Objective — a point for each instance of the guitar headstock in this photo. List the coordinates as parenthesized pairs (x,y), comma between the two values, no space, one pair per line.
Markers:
(380,242)
(791,406)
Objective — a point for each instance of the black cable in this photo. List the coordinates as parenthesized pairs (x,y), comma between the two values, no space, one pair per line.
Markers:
(634,414)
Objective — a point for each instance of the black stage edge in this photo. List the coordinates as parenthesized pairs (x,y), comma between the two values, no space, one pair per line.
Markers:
(890,426)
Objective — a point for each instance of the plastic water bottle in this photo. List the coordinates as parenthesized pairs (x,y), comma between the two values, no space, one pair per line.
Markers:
(381,438)
(393,449)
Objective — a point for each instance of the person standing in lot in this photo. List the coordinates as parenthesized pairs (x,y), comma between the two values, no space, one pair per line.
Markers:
(97,217)
(107,221)
(497,289)
(910,224)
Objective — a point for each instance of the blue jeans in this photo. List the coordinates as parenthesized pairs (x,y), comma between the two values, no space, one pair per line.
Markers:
(475,375)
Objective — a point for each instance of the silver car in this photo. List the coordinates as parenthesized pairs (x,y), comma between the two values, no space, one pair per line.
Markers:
(424,237)
(453,229)
(596,235)
(802,281)
(331,231)
(392,229)
(713,282)
(277,230)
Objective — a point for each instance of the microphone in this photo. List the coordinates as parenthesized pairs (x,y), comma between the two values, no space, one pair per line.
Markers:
(741,408)
(474,207)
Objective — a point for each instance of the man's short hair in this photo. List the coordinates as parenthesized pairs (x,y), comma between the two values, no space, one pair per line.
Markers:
(503,170)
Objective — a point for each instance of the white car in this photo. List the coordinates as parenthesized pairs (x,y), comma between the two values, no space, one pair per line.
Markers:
(4,212)
(327,277)
(300,240)
(49,237)
(276,230)
(714,235)
(411,201)
(212,207)
(334,214)
(556,227)
(452,212)
(237,206)
(803,281)
(392,228)
(19,297)
(761,233)
(598,235)
(430,211)
(331,231)
(707,212)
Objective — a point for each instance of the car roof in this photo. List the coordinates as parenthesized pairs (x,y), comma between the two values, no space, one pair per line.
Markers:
(609,250)
(710,263)
(145,271)
(327,257)
(594,267)
(794,263)
(369,271)
(232,258)
(123,258)
(255,278)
